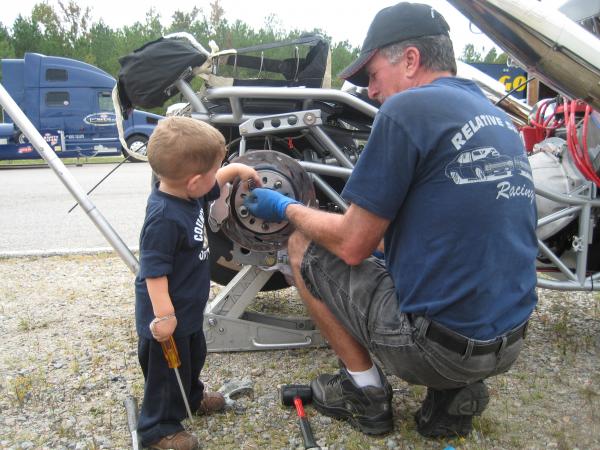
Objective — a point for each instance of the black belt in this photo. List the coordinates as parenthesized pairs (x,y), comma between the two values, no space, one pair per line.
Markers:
(459,344)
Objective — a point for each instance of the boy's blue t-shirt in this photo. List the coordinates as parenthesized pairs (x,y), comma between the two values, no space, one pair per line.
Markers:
(449,170)
(173,243)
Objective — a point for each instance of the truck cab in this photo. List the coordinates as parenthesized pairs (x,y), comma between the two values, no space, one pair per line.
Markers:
(70,104)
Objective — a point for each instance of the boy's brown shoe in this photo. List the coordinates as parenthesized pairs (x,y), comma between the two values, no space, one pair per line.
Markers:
(211,402)
(178,441)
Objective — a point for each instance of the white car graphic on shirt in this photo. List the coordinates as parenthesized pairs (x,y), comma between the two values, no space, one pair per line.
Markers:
(479,165)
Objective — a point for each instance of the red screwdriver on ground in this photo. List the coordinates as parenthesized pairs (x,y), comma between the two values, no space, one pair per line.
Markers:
(172,356)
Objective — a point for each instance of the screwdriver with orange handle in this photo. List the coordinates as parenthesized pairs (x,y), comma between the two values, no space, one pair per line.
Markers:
(172,356)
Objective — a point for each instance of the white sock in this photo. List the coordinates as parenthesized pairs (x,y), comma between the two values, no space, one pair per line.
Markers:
(369,377)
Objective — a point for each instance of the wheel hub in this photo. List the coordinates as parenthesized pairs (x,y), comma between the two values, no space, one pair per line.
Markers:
(278,172)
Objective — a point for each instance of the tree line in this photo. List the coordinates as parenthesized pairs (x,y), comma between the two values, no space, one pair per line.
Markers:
(69,31)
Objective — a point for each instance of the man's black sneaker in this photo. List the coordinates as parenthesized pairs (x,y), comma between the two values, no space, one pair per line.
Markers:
(368,409)
(449,413)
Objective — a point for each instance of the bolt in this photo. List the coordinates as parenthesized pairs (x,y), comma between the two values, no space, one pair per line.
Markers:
(277,184)
(309,118)
(577,243)
(212,322)
(265,226)
(243,211)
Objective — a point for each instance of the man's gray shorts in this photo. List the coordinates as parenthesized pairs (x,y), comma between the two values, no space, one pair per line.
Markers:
(364,300)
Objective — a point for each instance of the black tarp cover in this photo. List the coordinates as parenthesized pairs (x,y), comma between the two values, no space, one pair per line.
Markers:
(147,73)
(307,71)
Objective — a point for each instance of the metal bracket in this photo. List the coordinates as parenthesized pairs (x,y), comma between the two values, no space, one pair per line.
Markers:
(293,121)
(229,327)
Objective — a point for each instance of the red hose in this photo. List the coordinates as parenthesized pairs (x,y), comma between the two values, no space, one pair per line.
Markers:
(580,153)
(546,126)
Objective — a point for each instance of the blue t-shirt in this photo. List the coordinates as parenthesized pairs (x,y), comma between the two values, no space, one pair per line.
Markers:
(449,170)
(173,243)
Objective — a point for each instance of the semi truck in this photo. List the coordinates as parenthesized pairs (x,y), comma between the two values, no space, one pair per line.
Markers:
(70,103)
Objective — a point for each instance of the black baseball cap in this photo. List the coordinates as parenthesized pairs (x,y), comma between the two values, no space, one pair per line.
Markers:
(394,24)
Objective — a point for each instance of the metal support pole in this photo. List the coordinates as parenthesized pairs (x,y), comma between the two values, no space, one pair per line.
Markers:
(40,144)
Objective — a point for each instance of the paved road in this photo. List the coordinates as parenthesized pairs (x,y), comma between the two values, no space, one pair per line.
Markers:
(34,207)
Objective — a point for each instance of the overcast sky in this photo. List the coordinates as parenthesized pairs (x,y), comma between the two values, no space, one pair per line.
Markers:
(335,17)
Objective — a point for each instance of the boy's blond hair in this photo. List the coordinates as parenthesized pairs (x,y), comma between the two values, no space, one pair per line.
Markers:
(181,146)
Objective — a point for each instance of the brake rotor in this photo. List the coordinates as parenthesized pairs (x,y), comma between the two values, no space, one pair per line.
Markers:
(278,172)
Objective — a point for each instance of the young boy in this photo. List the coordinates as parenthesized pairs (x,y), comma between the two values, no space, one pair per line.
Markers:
(172,286)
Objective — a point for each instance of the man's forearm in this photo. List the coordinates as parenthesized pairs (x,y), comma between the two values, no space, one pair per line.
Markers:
(352,236)
(322,227)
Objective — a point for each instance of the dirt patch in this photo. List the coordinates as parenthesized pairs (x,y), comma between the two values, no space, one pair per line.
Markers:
(69,359)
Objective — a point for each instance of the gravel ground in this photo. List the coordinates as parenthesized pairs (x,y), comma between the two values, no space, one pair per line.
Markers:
(68,360)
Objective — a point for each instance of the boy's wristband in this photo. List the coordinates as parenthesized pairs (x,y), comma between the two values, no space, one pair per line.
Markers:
(167,317)
(160,319)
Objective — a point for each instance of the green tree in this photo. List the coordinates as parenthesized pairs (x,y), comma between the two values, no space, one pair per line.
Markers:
(6,47)
(502,58)
(470,55)
(26,36)
(138,34)
(103,41)
(70,31)
(182,21)
(53,36)
(51,33)
(342,54)
(216,14)
(74,24)
(491,56)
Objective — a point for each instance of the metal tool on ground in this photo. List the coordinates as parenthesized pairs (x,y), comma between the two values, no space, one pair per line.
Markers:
(172,356)
(232,389)
(296,394)
(132,420)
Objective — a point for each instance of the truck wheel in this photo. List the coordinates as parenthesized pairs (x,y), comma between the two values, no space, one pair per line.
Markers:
(137,148)
(20,138)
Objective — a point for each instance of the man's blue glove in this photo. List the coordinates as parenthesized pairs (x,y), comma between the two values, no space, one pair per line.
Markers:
(268,204)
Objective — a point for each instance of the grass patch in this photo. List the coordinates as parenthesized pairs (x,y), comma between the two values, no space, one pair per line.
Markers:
(66,161)
(25,387)
(29,324)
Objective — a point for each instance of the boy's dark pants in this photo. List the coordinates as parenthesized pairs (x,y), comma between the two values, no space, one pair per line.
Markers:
(163,407)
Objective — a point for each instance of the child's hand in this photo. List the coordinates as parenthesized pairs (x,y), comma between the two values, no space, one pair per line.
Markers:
(249,173)
(163,327)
